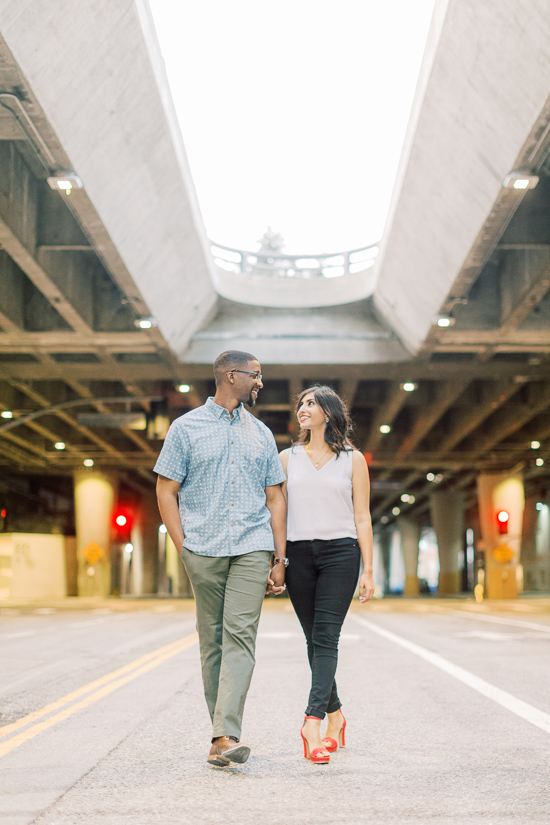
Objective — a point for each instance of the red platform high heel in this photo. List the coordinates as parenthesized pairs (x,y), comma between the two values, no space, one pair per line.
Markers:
(331,744)
(318,755)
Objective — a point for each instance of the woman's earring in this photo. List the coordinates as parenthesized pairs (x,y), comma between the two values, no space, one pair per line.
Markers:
(326,420)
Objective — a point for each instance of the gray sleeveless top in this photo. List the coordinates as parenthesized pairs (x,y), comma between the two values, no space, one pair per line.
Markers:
(320,502)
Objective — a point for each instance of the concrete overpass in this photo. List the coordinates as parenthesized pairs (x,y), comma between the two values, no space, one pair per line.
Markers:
(80,272)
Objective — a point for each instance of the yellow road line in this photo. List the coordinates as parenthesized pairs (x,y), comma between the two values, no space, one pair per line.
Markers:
(127,673)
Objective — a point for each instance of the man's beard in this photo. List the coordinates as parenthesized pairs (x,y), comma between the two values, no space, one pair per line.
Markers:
(251,400)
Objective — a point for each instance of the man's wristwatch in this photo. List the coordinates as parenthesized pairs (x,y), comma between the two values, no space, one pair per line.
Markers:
(280,561)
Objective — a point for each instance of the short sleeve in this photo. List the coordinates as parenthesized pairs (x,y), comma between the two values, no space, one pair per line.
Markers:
(174,456)
(274,471)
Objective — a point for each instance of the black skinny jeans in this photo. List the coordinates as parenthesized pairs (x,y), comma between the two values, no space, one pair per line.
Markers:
(321,578)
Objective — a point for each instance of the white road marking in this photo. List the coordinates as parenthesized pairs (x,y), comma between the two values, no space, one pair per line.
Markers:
(544,628)
(88,622)
(491,636)
(18,635)
(501,697)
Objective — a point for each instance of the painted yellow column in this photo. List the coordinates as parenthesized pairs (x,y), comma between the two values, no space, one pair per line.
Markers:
(94,496)
(498,491)
(447,511)
(409,531)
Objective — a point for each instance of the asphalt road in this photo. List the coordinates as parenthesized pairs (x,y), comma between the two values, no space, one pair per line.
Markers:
(103,720)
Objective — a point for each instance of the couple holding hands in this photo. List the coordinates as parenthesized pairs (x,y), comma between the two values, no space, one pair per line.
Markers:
(243,515)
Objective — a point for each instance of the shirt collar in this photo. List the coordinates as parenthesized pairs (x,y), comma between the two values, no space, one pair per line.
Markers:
(219,411)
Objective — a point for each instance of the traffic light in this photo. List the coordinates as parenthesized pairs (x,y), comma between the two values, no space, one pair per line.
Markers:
(503,516)
(122,523)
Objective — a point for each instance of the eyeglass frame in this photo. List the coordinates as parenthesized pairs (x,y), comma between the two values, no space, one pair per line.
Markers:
(257,375)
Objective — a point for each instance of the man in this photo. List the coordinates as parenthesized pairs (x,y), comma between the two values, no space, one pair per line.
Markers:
(222,465)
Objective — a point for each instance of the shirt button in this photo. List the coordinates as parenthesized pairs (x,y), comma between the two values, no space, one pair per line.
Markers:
(232,505)
(232,462)
(232,442)
(232,482)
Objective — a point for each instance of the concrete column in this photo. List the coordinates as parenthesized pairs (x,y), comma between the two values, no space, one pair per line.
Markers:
(94,495)
(497,491)
(447,510)
(150,521)
(385,542)
(138,552)
(409,530)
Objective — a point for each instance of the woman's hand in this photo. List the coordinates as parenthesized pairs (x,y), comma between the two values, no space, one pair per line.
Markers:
(366,587)
(276,580)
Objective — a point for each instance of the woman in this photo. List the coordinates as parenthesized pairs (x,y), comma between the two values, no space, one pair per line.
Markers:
(329,530)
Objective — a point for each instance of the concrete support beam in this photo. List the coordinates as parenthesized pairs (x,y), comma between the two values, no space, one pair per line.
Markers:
(447,394)
(441,229)
(138,204)
(447,510)
(502,551)
(409,531)
(95,494)
(395,398)
(525,279)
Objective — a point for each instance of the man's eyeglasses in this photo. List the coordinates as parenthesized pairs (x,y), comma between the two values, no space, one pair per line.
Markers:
(257,376)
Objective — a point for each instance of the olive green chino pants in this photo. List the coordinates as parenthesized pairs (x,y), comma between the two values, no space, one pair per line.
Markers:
(229,592)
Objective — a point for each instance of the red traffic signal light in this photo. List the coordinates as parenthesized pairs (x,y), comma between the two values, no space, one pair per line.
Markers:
(503,517)
(122,523)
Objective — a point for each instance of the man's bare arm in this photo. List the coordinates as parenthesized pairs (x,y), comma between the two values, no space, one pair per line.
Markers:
(167,497)
(276,504)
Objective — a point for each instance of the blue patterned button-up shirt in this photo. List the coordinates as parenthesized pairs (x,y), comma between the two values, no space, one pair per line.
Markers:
(223,465)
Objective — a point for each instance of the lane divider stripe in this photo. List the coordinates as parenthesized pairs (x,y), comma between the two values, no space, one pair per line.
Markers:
(70,697)
(542,628)
(10,744)
(501,697)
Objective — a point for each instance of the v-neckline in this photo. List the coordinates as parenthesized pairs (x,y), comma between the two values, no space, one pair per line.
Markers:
(318,469)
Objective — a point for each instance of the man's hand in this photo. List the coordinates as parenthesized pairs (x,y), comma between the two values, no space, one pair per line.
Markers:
(276,580)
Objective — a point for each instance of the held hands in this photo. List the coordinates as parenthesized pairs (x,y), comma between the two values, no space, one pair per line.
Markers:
(276,580)
(366,587)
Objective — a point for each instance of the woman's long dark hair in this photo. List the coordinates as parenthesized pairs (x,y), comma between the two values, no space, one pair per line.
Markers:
(339,425)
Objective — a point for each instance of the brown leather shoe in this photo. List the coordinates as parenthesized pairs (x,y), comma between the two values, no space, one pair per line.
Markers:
(225,750)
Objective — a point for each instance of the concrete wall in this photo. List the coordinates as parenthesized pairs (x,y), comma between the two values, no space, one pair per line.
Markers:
(32,566)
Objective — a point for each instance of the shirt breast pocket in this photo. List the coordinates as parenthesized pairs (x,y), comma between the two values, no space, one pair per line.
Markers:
(256,458)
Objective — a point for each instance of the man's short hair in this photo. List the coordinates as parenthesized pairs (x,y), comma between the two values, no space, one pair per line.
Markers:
(232,358)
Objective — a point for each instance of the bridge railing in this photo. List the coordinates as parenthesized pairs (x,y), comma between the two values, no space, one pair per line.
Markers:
(278,265)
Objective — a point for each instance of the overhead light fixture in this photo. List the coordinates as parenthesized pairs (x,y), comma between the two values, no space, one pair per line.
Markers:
(409,386)
(539,505)
(430,476)
(184,388)
(395,511)
(88,462)
(384,519)
(385,429)
(520,180)
(535,445)
(539,462)
(6,414)
(146,323)
(163,528)
(444,320)
(65,182)
(59,445)
(405,498)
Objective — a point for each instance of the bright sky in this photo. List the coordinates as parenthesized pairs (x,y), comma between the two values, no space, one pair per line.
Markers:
(293,113)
